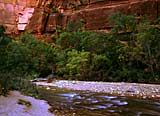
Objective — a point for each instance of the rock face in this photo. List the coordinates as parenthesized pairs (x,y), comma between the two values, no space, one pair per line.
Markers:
(15,14)
(96,14)
(43,16)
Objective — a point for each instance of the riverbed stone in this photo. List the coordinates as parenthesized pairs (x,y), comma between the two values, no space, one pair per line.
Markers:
(145,91)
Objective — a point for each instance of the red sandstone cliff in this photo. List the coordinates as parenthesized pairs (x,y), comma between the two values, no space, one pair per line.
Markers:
(42,16)
(14,12)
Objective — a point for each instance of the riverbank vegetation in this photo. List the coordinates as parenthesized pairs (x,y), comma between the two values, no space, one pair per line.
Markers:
(22,60)
(130,52)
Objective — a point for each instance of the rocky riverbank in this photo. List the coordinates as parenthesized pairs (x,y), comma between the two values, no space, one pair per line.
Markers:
(145,91)
(16,104)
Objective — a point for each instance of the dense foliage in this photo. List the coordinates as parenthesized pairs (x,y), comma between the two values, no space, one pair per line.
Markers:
(21,60)
(130,52)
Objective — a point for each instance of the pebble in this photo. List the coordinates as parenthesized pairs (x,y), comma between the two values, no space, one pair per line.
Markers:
(122,89)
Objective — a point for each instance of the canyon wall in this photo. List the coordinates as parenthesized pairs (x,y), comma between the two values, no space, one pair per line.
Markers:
(93,13)
(96,14)
(43,16)
(15,14)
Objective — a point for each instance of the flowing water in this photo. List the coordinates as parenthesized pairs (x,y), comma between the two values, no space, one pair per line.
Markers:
(84,103)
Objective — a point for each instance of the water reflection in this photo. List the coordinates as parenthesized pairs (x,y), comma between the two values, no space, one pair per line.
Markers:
(86,103)
(69,95)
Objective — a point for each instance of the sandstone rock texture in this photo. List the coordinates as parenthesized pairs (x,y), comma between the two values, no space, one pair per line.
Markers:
(96,13)
(15,14)
(43,16)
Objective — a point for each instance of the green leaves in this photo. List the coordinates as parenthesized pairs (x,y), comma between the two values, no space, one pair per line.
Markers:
(75,26)
(23,59)
(122,22)
(76,60)
(130,52)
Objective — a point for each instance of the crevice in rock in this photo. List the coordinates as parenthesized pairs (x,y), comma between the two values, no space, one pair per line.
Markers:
(46,22)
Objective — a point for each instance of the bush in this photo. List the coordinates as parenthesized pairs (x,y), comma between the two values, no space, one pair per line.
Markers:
(123,23)
(75,26)
(75,61)
(42,54)
(96,49)
(138,51)
(22,60)
(130,52)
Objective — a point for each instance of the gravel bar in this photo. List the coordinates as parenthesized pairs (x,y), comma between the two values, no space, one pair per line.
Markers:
(145,91)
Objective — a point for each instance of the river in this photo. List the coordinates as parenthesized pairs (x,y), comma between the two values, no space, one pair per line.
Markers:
(66,102)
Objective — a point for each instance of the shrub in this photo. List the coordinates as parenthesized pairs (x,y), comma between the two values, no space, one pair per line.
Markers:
(42,54)
(75,26)
(130,52)
(138,48)
(75,61)
(123,23)
(72,48)
(22,60)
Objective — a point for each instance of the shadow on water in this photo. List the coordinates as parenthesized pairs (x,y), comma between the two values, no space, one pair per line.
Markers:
(84,103)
